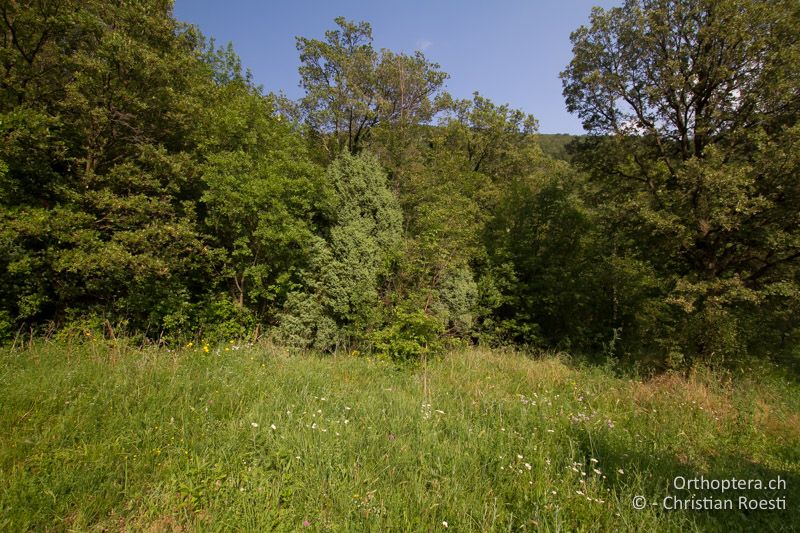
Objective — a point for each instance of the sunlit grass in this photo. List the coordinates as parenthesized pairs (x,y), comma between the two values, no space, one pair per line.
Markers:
(95,437)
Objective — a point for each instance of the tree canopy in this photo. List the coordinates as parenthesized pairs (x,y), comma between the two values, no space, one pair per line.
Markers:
(351,87)
(148,183)
(695,108)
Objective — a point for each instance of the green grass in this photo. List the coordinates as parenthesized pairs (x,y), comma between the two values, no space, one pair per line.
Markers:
(95,438)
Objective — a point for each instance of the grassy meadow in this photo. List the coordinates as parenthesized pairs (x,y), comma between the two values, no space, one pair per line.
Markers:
(94,437)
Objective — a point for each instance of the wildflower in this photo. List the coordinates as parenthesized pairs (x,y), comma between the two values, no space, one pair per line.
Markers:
(519,456)
(528,466)
(190,344)
(272,426)
(254,424)
(596,471)
(306,523)
(205,348)
(621,471)
(444,523)
(593,460)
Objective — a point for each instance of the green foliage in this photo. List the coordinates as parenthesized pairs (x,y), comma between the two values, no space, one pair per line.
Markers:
(219,319)
(556,145)
(541,285)
(145,180)
(692,105)
(260,199)
(95,117)
(6,326)
(346,266)
(307,323)
(351,88)
(450,179)
(495,140)
(412,336)
(456,302)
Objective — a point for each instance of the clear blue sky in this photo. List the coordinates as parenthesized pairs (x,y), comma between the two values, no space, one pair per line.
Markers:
(509,50)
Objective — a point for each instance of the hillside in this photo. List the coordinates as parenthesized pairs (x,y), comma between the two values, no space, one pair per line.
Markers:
(555,144)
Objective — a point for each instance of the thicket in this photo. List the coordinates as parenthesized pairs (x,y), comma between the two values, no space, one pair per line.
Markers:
(146,183)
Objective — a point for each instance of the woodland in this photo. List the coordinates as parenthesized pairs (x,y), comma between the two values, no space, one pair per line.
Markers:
(150,189)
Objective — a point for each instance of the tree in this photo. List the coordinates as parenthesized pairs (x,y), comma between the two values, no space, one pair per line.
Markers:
(351,88)
(261,193)
(694,105)
(492,139)
(543,284)
(97,103)
(342,297)
(450,179)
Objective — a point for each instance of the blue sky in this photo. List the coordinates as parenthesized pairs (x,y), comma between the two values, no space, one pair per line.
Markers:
(509,50)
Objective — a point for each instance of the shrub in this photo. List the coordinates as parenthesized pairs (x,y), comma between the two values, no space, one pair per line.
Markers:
(412,336)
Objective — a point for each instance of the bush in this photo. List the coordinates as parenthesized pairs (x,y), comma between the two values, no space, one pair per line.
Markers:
(222,319)
(6,326)
(412,336)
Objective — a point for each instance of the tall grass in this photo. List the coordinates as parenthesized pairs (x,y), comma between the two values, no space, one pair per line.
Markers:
(94,437)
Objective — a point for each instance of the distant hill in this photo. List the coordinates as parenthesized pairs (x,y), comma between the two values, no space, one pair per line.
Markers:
(555,144)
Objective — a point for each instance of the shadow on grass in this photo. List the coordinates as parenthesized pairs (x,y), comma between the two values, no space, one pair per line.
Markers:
(664,480)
